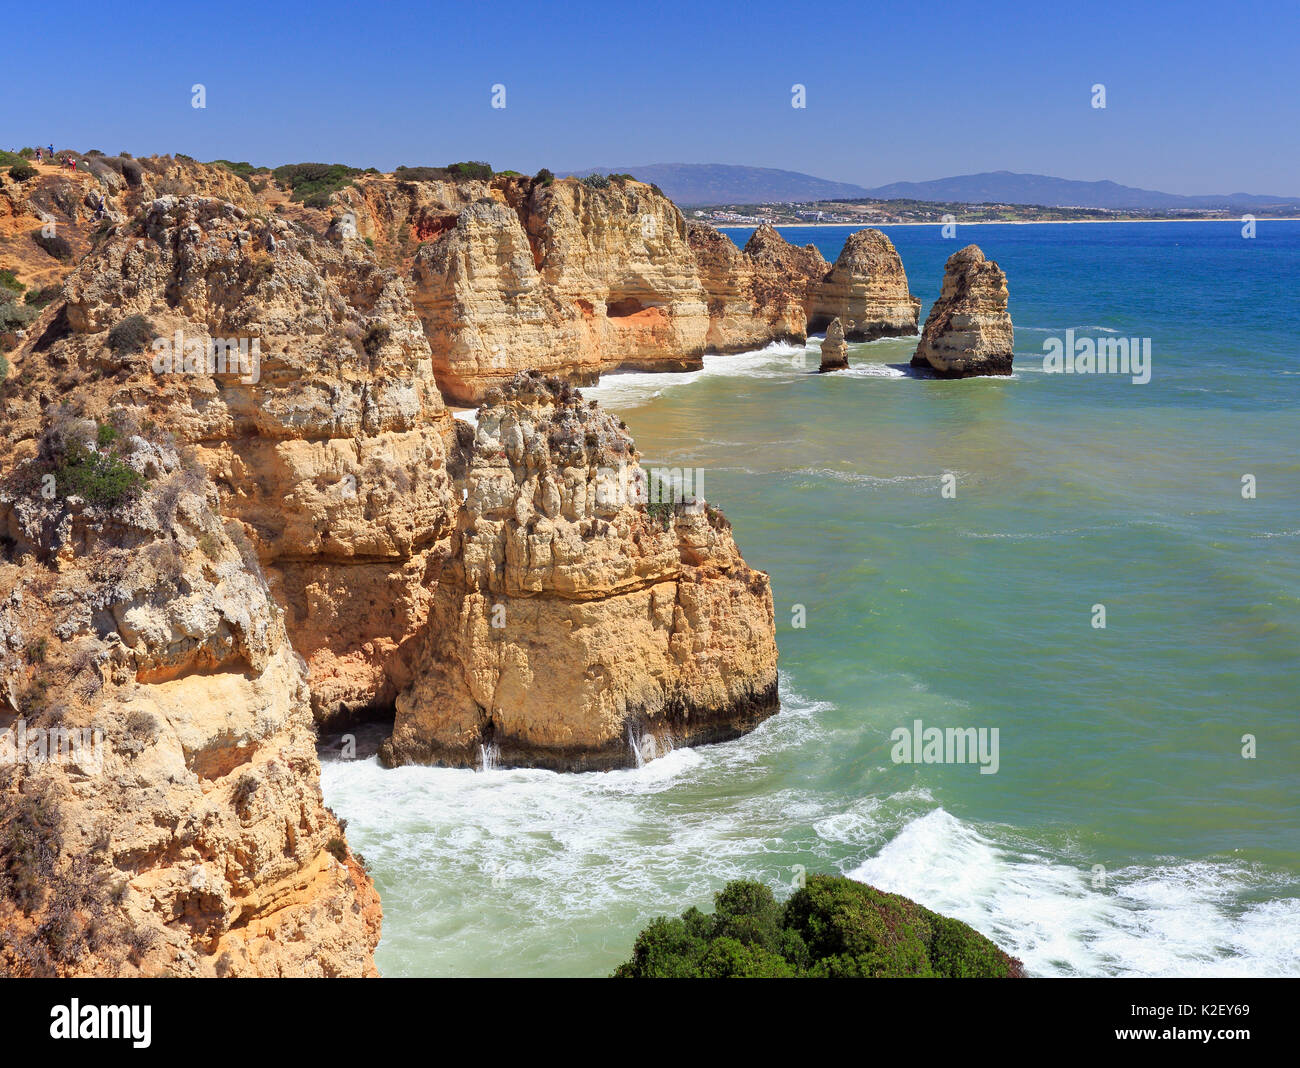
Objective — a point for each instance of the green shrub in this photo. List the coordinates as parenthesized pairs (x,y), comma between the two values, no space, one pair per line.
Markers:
(421,174)
(100,479)
(471,169)
(9,280)
(244,169)
(210,545)
(544,176)
(596,181)
(22,172)
(38,298)
(312,184)
(13,315)
(4,367)
(130,335)
(831,928)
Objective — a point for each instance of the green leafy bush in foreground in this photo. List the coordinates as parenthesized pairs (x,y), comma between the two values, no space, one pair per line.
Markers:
(832,928)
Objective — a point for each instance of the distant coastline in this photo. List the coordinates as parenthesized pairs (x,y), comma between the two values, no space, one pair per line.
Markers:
(998,222)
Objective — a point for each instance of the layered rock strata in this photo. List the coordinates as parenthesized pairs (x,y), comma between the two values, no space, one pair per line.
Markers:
(866,290)
(834,350)
(232,500)
(968,331)
(578,625)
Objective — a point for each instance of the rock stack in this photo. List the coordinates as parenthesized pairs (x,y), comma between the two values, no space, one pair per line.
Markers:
(867,288)
(968,331)
(835,353)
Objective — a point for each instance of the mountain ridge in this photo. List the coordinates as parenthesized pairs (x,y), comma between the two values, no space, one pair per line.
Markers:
(699,184)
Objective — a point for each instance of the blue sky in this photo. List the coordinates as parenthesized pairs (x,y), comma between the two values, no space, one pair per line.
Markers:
(1201,97)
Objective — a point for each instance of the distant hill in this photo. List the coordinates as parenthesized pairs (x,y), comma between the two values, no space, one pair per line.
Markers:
(693,184)
(1004,187)
(698,184)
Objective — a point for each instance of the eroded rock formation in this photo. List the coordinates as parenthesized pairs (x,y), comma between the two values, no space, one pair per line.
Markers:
(968,331)
(573,618)
(232,498)
(834,350)
(866,290)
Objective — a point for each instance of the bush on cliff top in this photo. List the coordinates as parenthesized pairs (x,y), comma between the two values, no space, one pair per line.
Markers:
(451,173)
(22,172)
(313,183)
(832,928)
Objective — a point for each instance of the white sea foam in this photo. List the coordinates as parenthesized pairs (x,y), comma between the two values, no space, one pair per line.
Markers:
(626,389)
(1174,920)
(521,871)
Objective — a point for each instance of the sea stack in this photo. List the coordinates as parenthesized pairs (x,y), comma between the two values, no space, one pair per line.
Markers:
(968,331)
(867,289)
(835,353)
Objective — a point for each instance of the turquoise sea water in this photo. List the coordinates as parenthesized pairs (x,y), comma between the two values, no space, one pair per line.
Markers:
(1123,833)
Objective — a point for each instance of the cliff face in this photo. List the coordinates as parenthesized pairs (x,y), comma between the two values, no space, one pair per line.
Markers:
(773,290)
(160,808)
(334,457)
(968,331)
(559,278)
(232,499)
(512,274)
(574,625)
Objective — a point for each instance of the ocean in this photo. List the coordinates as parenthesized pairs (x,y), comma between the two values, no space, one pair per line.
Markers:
(939,551)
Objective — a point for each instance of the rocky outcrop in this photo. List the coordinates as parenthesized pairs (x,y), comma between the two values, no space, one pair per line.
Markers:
(160,806)
(866,290)
(576,626)
(834,350)
(562,278)
(231,501)
(968,331)
(775,291)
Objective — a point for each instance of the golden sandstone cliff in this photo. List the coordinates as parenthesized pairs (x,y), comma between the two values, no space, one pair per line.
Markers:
(581,617)
(232,501)
(558,276)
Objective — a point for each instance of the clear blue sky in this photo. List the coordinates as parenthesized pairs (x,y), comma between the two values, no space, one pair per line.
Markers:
(1201,97)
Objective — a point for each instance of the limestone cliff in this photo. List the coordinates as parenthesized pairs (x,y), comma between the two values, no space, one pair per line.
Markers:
(559,277)
(775,291)
(160,807)
(576,625)
(968,331)
(232,499)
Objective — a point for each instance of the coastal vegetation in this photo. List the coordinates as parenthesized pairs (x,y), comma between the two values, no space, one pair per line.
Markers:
(831,928)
